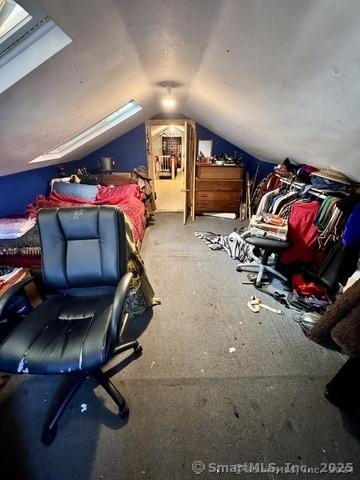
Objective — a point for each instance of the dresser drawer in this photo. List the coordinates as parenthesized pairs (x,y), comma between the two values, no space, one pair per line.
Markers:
(211,207)
(219,172)
(218,188)
(207,201)
(218,197)
(219,185)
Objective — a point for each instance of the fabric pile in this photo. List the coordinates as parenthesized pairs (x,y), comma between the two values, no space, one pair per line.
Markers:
(317,222)
(329,179)
(233,244)
(127,197)
(307,303)
(28,245)
(15,227)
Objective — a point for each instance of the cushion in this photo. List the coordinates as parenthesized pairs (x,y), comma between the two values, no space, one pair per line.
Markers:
(76,190)
(64,334)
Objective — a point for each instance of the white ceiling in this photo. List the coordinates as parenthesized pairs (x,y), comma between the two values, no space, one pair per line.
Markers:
(275,77)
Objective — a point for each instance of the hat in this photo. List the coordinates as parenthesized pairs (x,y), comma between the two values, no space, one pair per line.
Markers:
(142,172)
(332,175)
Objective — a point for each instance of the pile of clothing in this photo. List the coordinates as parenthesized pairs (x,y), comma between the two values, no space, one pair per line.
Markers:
(233,244)
(272,181)
(15,226)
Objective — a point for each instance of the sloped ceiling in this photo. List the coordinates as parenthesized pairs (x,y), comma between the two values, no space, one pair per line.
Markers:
(275,77)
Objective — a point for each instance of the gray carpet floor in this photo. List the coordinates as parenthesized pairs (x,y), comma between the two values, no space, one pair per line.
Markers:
(216,384)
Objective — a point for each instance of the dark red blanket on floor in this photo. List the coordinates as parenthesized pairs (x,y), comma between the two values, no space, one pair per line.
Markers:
(126,197)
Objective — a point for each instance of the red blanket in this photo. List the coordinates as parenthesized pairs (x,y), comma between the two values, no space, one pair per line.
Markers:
(126,197)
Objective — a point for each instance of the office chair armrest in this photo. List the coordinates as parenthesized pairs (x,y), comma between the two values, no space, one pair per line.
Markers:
(4,299)
(119,303)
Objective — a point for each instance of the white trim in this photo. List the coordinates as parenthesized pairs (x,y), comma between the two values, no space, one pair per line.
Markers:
(17,19)
(34,50)
(114,118)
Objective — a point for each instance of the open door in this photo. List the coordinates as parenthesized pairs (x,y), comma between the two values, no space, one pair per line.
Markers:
(189,172)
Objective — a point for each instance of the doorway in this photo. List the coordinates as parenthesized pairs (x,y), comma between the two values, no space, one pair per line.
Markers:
(171,161)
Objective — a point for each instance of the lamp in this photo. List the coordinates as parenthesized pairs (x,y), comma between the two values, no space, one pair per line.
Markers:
(168,102)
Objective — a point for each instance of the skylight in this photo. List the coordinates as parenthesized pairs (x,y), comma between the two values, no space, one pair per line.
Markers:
(27,39)
(12,17)
(83,137)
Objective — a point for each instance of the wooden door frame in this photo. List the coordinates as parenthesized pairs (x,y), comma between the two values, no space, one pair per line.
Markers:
(176,121)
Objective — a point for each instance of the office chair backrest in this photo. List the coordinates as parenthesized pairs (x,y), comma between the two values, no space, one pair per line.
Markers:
(82,247)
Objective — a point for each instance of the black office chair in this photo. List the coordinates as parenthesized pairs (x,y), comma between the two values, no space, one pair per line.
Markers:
(266,247)
(77,329)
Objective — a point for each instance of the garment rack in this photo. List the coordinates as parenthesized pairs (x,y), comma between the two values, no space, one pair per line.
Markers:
(300,186)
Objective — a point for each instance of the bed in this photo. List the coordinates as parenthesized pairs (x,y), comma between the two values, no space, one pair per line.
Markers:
(25,250)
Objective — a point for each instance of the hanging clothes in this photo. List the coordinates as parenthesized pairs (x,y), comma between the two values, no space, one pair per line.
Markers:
(266,200)
(303,235)
(283,200)
(325,212)
(270,182)
(343,258)
(333,228)
(333,223)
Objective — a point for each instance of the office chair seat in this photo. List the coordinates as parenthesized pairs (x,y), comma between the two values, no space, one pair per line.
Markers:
(260,262)
(65,334)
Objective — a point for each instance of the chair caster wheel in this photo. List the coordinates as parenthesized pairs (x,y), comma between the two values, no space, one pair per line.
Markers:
(124,411)
(138,350)
(48,436)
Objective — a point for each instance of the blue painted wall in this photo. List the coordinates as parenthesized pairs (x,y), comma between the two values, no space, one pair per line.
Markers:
(128,151)
(20,189)
(222,146)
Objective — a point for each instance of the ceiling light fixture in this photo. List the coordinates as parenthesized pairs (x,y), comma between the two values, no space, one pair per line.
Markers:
(169,101)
